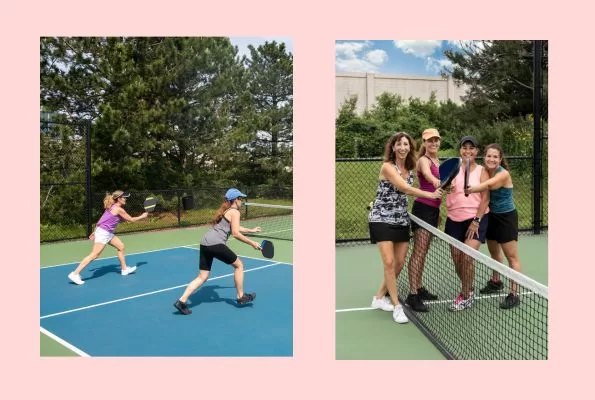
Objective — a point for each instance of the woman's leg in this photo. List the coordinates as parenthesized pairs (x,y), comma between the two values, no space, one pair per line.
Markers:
(238,277)
(119,246)
(421,244)
(512,255)
(95,252)
(193,286)
(389,283)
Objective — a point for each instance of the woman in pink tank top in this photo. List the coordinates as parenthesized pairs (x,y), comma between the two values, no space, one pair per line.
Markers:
(104,233)
(466,220)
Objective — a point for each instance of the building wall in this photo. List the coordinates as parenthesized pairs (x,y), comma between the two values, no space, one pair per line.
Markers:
(368,86)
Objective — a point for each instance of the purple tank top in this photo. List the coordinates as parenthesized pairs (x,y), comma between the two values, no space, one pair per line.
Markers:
(427,186)
(108,221)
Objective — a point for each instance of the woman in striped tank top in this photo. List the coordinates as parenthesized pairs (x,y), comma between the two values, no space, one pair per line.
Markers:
(503,220)
(105,233)
(213,245)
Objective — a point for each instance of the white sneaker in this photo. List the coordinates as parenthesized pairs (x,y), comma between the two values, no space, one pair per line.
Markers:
(128,270)
(399,315)
(381,304)
(76,278)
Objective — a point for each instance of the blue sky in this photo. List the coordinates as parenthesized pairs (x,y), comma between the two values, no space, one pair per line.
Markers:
(407,57)
(244,41)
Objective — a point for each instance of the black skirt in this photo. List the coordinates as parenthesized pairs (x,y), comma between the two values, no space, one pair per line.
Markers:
(383,232)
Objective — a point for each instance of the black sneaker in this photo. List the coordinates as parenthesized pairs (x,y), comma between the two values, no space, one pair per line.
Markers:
(512,300)
(425,295)
(247,298)
(182,307)
(415,302)
(492,287)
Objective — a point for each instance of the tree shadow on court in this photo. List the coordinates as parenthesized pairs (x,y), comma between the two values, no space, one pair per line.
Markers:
(208,294)
(108,269)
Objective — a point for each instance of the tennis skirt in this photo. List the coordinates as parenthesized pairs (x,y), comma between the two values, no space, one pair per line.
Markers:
(426,213)
(102,236)
(503,227)
(383,232)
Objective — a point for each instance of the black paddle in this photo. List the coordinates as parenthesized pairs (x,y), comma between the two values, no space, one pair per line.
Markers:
(448,170)
(267,249)
(150,203)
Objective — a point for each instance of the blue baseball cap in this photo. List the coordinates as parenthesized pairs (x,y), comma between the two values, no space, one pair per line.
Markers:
(233,194)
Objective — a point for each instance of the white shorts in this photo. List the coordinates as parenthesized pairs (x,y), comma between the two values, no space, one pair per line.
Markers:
(102,236)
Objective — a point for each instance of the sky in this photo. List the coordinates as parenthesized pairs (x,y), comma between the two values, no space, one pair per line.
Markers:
(406,57)
(243,42)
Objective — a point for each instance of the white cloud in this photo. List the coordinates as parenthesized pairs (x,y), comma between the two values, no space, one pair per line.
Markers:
(435,65)
(243,42)
(352,57)
(418,48)
(377,57)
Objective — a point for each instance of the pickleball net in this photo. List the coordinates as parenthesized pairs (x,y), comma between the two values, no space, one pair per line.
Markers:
(483,331)
(276,221)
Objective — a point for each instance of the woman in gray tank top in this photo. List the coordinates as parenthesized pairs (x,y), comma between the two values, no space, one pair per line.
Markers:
(214,245)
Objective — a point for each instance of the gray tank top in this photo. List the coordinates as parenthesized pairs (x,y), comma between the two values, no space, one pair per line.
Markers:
(218,234)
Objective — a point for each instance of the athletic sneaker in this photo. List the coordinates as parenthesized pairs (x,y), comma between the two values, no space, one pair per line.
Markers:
(462,303)
(399,315)
(425,295)
(76,278)
(128,271)
(182,307)
(382,304)
(512,300)
(247,298)
(415,302)
(492,287)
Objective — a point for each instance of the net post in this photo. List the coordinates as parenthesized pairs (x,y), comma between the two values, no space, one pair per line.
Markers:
(537,173)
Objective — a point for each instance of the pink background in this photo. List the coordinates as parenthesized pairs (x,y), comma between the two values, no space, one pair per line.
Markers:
(312,370)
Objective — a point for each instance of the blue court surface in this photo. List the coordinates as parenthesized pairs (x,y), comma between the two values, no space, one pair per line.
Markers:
(114,315)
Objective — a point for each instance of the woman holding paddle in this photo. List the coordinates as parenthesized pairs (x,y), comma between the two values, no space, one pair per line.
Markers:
(214,245)
(428,210)
(466,219)
(104,233)
(502,232)
(389,221)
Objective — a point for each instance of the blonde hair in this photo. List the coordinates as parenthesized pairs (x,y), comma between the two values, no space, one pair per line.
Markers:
(110,199)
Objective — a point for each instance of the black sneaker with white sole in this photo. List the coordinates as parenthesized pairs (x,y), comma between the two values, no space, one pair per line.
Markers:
(182,307)
(425,295)
(491,287)
(247,298)
(512,300)
(415,302)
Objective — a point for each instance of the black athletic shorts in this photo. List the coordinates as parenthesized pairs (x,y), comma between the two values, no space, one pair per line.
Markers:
(426,213)
(219,251)
(458,229)
(504,227)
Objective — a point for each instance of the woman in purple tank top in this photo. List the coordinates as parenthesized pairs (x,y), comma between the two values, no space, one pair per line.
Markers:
(428,210)
(104,233)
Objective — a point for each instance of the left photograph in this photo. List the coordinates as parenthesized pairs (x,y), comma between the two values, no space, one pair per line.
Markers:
(166,196)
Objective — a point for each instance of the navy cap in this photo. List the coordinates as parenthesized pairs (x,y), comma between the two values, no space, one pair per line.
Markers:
(233,194)
(468,139)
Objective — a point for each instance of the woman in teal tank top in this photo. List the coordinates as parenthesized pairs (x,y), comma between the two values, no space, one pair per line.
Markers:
(502,233)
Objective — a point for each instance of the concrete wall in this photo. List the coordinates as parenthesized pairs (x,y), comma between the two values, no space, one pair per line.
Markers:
(368,86)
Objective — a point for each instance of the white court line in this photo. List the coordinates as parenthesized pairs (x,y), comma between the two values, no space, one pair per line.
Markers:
(482,297)
(145,252)
(150,293)
(63,342)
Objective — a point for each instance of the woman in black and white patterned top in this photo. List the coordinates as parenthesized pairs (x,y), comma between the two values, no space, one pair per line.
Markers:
(389,220)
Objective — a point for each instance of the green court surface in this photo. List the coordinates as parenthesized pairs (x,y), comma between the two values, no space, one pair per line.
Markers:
(74,251)
(372,334)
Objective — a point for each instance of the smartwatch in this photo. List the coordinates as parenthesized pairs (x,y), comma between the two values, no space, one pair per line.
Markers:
(477,219)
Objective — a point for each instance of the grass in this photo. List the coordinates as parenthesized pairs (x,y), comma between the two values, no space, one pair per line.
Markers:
(356,183)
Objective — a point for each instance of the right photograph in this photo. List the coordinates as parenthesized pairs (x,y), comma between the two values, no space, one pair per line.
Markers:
(441,225)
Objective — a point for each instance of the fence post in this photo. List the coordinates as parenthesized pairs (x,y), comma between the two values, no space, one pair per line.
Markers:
(537,156)
(179,201)
(88,177)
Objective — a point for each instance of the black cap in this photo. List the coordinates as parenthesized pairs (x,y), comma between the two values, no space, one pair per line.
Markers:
(468,139)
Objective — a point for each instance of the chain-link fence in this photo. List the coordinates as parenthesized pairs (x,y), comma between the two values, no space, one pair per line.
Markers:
(175,208)
(356,181)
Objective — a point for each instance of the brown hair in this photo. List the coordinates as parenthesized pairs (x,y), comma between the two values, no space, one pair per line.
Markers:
(389,154)
(422,148)
(497,147)
(219,214)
